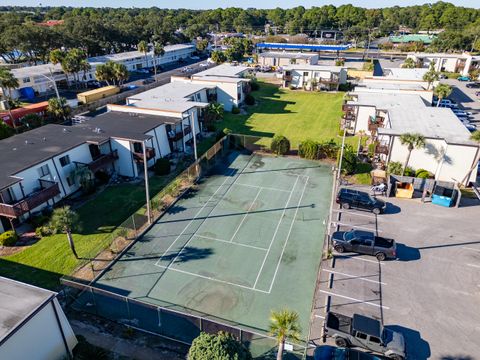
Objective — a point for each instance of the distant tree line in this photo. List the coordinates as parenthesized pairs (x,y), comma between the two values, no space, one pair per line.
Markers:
(105,30)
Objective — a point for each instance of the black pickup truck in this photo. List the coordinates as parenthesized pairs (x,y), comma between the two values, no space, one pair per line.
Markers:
(364,242)
(366,333)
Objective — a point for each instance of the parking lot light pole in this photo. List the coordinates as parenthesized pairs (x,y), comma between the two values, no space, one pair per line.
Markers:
(339,174)
(147,191)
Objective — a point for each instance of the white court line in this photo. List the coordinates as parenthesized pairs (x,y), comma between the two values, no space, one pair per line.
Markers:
(275,233)
(354,276)
(191,221)
(475,266)
(210,278)
(262,187)
(288,235)
(245,216)
(362,259)
(353,299)
(469,248)
(230,242)
(335,223)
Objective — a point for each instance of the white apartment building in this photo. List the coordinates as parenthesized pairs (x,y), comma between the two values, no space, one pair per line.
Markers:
(38,166)
(400,76)
(38,79)
(449,153)
(284,58)
(461,63)
(302,76)
(32,324)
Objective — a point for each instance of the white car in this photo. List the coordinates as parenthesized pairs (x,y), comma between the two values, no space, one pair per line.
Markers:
(142,71)
(461,112)
(194,58)
(203,65)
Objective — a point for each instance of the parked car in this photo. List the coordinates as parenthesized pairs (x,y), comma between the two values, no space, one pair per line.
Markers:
(443,76)
(202,65)
(444,102)
(142,71)
(461,112)
(477,93)
(194,58)
(364,242)
(327,352)
(470,127)
(349,198)
(148,81)
(366,333)
(464,78)
(473,85)
(447,105)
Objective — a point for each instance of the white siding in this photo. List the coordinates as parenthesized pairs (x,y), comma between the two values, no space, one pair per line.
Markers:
(124,163)
(363,115)
(457,162)
(40,338)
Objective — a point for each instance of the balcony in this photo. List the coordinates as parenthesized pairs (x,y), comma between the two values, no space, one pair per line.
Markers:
(179,135)
(102,161)
(374,123)
(149,152)
(381,149)
(48,190)
(332,80)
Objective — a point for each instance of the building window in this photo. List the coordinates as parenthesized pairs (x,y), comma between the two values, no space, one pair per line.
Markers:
(65,160)
(70,180)
(26,80)
(305,73)
(43,171)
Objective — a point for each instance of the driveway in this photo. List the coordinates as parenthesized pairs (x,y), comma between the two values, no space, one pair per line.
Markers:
(430,293)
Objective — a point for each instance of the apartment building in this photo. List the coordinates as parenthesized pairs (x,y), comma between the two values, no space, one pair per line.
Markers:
(39,166)
(37,80)
(32,324)
(302,76)
(283,58)
(449,153)
(462,63)
(401,76)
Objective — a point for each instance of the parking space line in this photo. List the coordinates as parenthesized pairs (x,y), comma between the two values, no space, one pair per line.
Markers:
(335,223)
(354,276)
(353,299)
(469,248)
(473,265)
(362,259)
(354,213)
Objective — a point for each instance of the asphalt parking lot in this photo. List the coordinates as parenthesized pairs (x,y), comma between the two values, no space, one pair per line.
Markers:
(430,293)
(466,99)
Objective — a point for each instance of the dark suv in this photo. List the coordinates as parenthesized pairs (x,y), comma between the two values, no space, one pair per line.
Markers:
(348,198)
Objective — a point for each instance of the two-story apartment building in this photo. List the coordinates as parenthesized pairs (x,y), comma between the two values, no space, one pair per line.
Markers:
(462,63)
(305,76)
(283,58)
(39,166)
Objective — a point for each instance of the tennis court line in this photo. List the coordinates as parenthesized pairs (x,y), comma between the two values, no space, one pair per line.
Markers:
(193,219)
(288,235)
(275,233)
(262,187)
(211,278)
(230,242)
(246,214)
(201,209)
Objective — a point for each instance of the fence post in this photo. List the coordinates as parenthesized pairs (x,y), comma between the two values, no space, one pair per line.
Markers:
(134,226)
(128,308)
(93,299)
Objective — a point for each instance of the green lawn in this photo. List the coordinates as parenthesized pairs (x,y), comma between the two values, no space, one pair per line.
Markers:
(298,115)
(45,262)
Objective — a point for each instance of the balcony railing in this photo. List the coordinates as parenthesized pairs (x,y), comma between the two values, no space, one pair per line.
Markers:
(102,161)
(332,80)
(47,191)
(381,149)
(179,135)
(149,152)
(374,123)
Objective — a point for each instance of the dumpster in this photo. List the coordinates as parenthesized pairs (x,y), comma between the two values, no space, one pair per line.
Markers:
(443,196)
(404,190)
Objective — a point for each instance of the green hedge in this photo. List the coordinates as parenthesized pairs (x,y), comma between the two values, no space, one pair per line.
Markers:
(280,145)
(8,238)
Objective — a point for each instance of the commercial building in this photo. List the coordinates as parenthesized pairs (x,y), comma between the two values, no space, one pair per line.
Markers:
(461,63)
(287,58)
(303,76)
(39,166)
(32,324)
(449,153)
(36,80)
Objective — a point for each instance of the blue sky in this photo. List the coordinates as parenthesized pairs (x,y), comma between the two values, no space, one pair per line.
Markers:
(208,4)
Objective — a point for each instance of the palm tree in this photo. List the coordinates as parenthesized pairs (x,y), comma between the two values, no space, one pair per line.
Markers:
(104,72)
(442,91)
(431,75)
(215,111)
(413,141)
(65,220)
(58,108)
(284,325)
(409,63)
(476,138)
(85,67)
(120,73)
(361,134)
(8,82)
(158,50)
(143,47)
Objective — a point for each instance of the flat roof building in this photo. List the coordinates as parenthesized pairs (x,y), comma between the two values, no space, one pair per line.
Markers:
(282,58)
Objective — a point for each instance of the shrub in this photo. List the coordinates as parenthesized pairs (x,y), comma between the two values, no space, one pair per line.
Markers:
(5,131)
(280,145)
(162,167)
(8,238)
(38,220)
(249,100)
(371,150)
(341,132)
(328,149)
(102,177)
(339,62)
(222,345)
(254,85)
(409,171)
(43,230)
(308,149)
(345,87)
(395,168)
(423,174)
(350,160)
(235,110)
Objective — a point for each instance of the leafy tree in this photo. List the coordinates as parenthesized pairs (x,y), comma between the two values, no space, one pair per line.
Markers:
(202,45)
(32,121)
(65,220)
(283,326)
(220,346)
(5,131)
(431,75)
(280,145)
(58,108)
(412,141)
(218,57)
(442,91)
(409,63)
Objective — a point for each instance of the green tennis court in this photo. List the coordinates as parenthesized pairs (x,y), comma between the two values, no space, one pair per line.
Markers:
(245,240)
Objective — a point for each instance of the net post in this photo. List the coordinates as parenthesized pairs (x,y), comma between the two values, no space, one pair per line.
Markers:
(128,308)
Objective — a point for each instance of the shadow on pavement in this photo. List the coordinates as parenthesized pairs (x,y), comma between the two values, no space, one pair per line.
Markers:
(417,348)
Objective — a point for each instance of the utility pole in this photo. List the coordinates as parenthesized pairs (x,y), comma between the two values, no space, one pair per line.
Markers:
(192,120)
(147,191)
